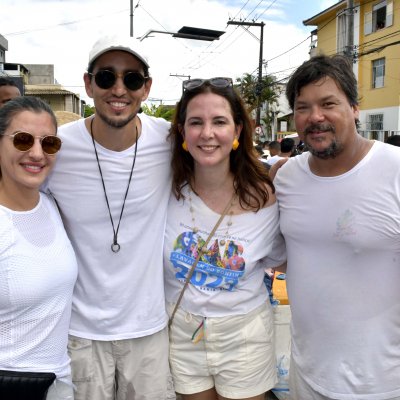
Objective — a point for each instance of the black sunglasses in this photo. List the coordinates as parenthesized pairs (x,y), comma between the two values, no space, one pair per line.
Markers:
(24,141)
(106,79)
(219,82)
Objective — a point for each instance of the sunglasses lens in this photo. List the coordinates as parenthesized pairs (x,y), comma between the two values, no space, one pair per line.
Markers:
(134,80)
(215,82)
(192,84)
(104,79)
(220,82)
(51,144)
(23,141)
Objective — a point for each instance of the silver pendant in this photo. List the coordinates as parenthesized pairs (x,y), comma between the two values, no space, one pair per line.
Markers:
(115,247)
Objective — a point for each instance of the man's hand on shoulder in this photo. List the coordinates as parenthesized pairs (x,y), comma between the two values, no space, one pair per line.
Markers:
(274,168)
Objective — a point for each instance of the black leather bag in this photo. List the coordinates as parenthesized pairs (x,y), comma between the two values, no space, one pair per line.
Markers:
(16,385)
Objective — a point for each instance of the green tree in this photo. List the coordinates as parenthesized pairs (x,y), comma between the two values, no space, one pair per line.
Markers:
(268,92)
(88,110)
(160,111)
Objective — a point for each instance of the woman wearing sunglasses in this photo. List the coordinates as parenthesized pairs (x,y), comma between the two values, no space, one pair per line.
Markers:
(37,264)
(222,222)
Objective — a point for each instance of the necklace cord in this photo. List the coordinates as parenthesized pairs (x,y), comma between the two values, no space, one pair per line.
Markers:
(200,253)
(115,246)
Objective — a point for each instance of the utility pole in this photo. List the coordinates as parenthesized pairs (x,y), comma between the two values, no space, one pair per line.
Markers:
(350,30)
(131,15)
(260,63)
(131,18)
(180,76)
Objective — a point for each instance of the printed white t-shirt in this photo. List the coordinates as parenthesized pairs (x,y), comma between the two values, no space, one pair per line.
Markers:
(228,279)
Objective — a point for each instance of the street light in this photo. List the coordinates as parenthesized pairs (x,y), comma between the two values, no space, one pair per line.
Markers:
(260,61)
(189,32)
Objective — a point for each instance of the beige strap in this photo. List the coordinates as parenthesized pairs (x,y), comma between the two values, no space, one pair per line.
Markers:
(190,274)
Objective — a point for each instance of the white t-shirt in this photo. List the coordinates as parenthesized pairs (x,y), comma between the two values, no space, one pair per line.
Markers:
(117,295)
(343,277)
(228,279)
(272,160)
(38,270)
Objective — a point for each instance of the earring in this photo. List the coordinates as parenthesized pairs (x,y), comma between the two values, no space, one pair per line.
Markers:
(184,146)
(235,144)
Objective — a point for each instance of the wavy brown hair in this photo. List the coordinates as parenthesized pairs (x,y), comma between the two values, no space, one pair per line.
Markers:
(251,179)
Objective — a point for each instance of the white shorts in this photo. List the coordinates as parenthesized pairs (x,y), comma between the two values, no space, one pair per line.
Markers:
(236,354)
(120,369)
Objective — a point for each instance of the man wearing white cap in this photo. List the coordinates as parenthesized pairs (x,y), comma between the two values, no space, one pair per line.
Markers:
(112,184)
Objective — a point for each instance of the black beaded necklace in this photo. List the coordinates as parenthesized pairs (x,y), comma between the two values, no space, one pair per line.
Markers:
(115,246)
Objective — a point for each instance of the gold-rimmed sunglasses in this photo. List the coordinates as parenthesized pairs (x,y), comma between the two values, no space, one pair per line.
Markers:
(24,141)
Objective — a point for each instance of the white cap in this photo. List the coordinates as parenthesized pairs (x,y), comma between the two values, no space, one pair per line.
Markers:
(110,43)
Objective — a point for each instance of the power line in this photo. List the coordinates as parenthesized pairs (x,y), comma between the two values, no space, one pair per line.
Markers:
(63,24)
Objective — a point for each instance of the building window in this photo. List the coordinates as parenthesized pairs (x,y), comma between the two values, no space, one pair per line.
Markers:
(380,17)
(378,73)
(342,32)
(375,122)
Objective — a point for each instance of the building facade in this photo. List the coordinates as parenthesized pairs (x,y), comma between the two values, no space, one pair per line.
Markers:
(369,33)
(38,80)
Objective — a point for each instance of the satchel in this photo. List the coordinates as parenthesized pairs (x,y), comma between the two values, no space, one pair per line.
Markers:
(200,253)
(17,385)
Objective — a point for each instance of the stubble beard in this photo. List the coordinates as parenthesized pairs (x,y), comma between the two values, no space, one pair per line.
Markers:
(332,151)
(116,123)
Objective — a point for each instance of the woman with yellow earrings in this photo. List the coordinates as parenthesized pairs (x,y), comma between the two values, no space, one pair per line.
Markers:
(222,222)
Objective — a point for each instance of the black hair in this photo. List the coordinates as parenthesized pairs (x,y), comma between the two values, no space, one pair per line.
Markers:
(394,140)
(274,144)
(20,104)
(337,67)
(7,82)
(287,145)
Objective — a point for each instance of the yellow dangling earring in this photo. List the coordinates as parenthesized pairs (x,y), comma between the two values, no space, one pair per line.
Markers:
(235,144)
(184,146)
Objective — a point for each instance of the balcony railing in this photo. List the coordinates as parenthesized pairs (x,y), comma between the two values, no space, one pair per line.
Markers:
(380,135)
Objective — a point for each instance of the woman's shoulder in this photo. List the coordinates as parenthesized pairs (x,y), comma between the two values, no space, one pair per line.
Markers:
(256,201)
(271,196)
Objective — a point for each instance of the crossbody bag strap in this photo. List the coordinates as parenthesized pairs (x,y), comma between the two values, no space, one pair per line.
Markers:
(190,274)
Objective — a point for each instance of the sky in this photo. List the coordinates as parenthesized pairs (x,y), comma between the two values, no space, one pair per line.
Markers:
(62,32)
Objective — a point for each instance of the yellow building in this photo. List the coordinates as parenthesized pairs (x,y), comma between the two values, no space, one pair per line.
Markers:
(369,32)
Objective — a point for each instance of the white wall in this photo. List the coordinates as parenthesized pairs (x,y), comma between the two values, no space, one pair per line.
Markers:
(391,117)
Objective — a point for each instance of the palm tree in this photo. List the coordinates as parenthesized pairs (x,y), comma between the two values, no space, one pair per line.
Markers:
(252,94)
